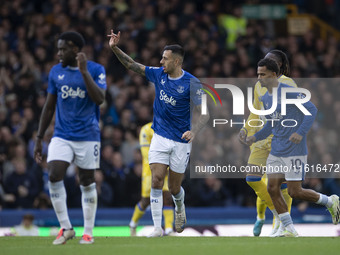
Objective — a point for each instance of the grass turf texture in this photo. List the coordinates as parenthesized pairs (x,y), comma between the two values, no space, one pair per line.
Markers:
(173,245)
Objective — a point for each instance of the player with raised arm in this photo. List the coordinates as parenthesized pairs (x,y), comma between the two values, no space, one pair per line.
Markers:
(76,88)
(145,136)
(259,151)
(288,154)
(171,143)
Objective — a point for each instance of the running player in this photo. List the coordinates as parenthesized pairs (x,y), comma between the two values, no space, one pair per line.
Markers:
(288,154)
(76,88)
(145,136)
(259,151)
(171,143)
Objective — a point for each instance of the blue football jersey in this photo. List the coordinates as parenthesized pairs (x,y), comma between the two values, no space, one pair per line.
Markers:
(171,107)
(76,116)
(285,125)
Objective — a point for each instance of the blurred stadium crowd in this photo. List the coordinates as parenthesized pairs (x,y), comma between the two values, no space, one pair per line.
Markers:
(28,32)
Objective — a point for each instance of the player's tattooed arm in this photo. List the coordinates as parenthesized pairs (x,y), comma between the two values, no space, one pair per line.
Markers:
(128,62)
(125,59)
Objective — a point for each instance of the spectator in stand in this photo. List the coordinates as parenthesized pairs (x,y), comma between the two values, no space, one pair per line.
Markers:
(104,190)
(26,227)
(22,185)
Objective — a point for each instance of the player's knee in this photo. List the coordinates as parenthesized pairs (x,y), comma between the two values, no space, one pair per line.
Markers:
(86,180)
(272,189)
(86,177)
(55,176)
(174,190)
(157,182)
(294,192)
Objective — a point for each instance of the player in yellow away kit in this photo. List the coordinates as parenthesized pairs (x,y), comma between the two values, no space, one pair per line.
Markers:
(145,137)
(259,151)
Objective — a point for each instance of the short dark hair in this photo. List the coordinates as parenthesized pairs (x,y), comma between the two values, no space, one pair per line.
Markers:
(284,69)
(76,38)
(270,64)
(176,49)
(28,216)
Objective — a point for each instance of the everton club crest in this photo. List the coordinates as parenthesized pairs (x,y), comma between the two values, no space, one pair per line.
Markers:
(180,89)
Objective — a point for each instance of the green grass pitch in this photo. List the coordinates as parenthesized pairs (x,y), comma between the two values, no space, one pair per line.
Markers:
(173,246)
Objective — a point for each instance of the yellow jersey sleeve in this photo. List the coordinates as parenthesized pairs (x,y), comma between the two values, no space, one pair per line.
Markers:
(286,80)
(145,137)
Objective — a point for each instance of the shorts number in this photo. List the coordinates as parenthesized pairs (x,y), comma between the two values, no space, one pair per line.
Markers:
(296,164)
(96,150)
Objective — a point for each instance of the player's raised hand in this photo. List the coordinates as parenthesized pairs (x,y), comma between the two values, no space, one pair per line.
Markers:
(82,62)
(295,138)
(188,136)
(114,39)
(250,140)
(242,136)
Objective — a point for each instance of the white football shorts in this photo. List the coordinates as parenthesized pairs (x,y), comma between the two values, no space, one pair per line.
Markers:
(292,167)
(168,152)
(85,154)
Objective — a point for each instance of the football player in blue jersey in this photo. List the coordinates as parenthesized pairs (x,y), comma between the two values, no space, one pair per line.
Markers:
(76,88)
(288,155)
(171,143)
